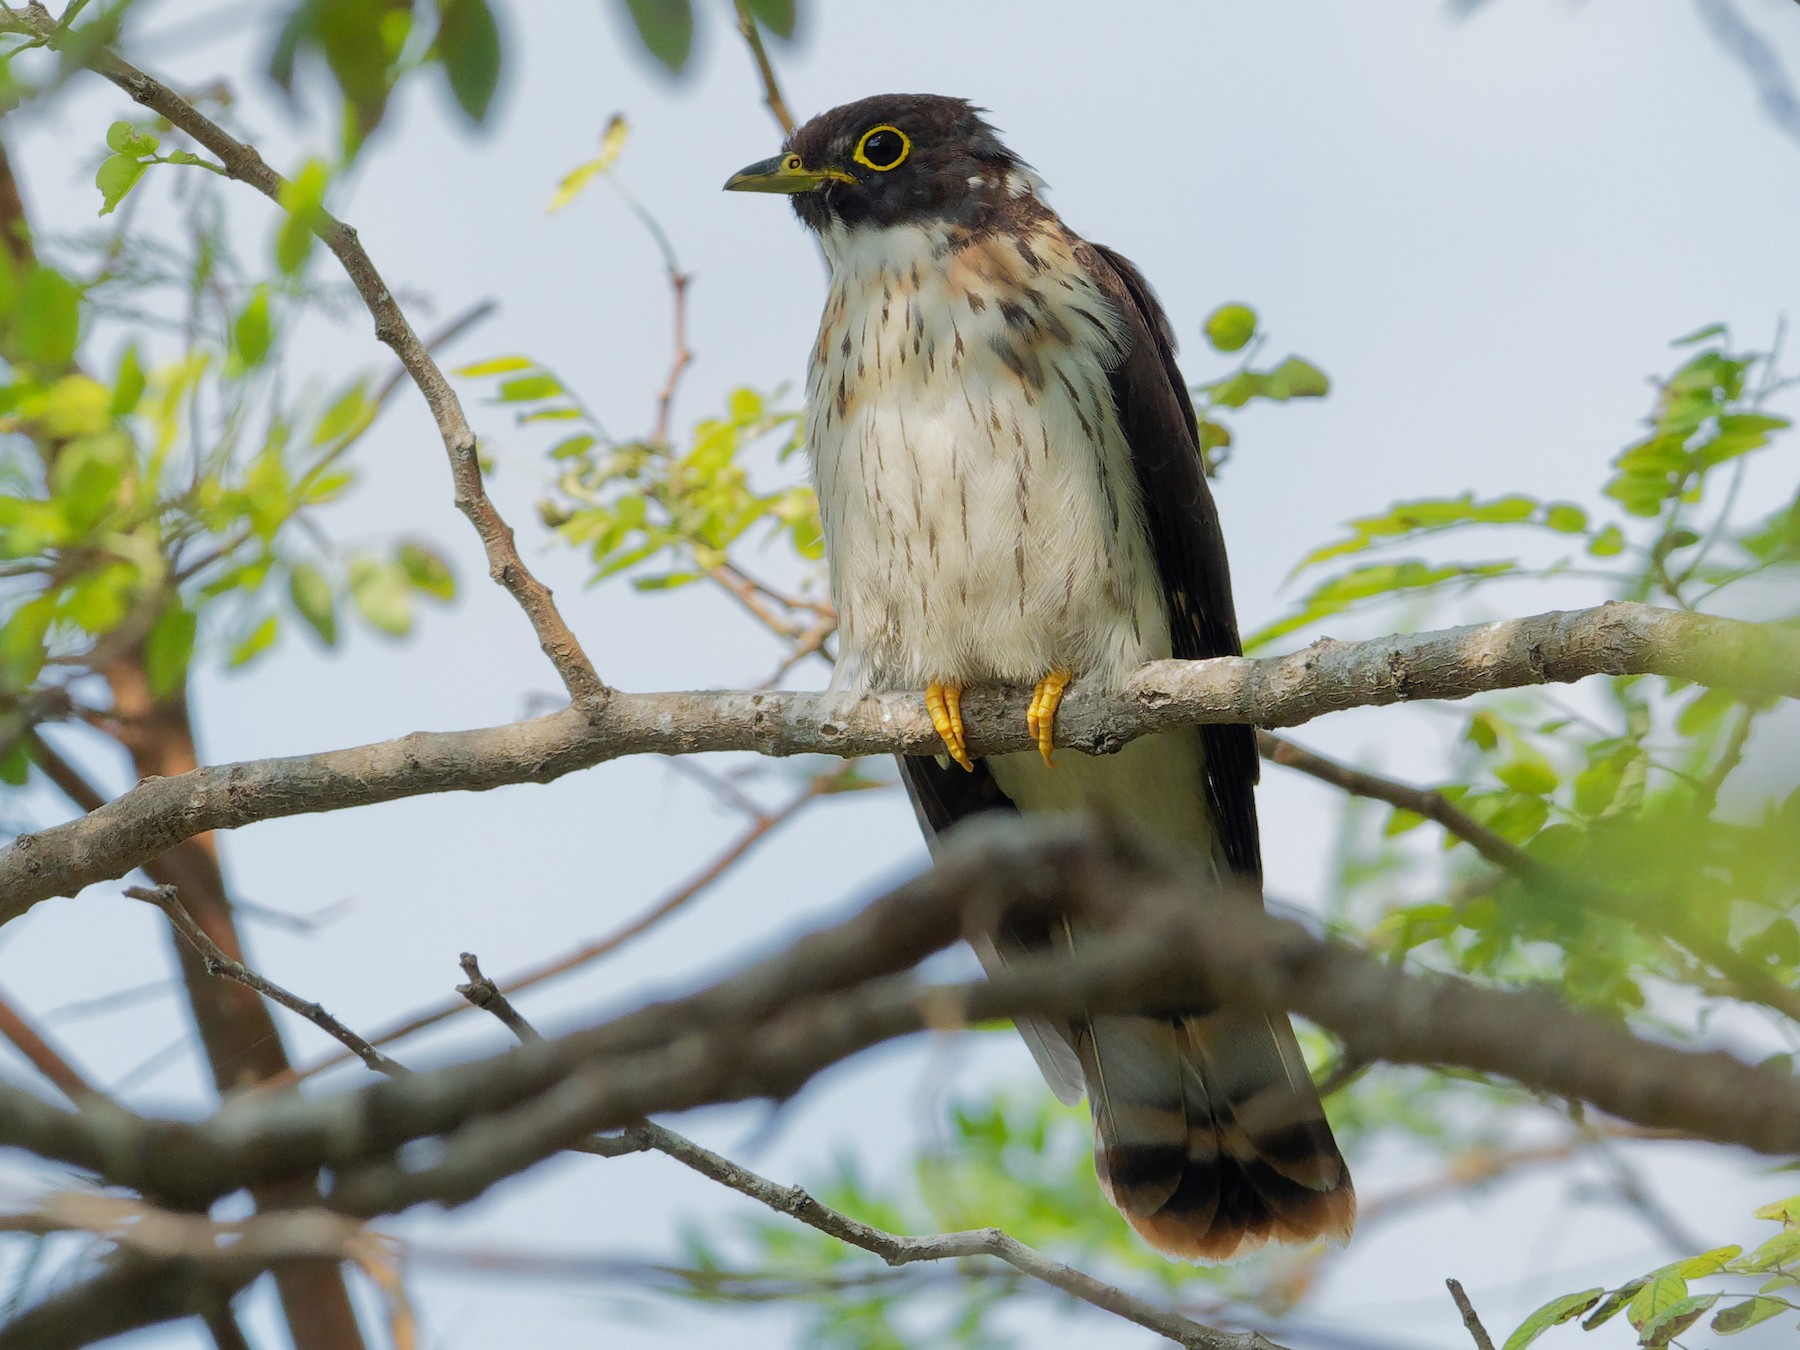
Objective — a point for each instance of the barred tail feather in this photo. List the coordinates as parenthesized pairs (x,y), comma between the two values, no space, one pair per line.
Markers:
(1209,1135)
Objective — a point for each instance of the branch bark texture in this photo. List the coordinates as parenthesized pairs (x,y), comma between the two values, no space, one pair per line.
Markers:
(1164,934)
(1329,676)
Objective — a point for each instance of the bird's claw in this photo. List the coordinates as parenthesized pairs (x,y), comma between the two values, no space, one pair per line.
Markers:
(944,703)
(1040,717)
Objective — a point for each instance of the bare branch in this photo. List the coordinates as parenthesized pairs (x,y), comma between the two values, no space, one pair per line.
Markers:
(43,1056)
(483,993)
(168,900)
(1617,639)
(765,71)
(1163,938)
(244,163)
(898,1250)
(892,1248)
(1470,1318)
(696,885)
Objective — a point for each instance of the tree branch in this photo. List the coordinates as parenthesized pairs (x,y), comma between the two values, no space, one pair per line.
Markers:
(217,962)
(1163,937)
(1616,639)
(765,71)
(244,163)
(899,1250)
(893,1248)
(759,829)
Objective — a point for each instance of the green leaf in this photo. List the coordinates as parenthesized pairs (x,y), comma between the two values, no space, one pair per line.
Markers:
(349,415)
(128,383)
(572,447)
(426,569)
(261,638)
(1612,1303)
(1528,772)
(1660,1293)
(1608,543)
(168,648)
(1295,378)
(1672,1321)
(1554,1313)
(529,388)
(1712,330)
(1742,1316)
(1705,711)
(612,143)
(382,593)
(15,764)
(499,365)
(252,333)
(775,15)
(116,176)
(124,139)
(666,28)
(313,601)
(1229,327)
(1565,518)
(468,45)
(303,200)
(48,326)
(1781,1211)
(22,640)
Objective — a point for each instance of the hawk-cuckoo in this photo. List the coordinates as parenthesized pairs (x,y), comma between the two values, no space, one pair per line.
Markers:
(1012,493)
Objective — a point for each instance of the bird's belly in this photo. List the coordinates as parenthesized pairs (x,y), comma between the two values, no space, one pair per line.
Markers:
(976,535)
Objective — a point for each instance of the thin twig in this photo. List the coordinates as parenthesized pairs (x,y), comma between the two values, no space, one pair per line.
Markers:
(1470,1318)
(44,1057)
(483,993)
(899,1250)
(243,162)
(777,105)
(678,362)
(893,1248)
(168,900)
(758,830)
(1427,802)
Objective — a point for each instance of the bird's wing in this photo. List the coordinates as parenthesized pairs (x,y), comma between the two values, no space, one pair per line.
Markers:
(1158,420)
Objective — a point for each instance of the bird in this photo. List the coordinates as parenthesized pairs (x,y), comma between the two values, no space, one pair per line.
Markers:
(1012,493)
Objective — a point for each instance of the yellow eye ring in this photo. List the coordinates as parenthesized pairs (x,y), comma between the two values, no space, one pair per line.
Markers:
(791,163)
(862,157)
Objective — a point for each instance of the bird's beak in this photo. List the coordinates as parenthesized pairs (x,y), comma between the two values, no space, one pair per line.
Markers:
(783,173)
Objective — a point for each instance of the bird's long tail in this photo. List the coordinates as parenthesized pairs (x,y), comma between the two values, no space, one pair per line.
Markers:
(1209,1135)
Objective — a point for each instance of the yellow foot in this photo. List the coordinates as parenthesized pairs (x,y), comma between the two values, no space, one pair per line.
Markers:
(944,702)
(1040,718)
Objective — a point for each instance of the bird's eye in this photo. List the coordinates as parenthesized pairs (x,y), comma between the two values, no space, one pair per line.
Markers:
(883,148)
(791,163)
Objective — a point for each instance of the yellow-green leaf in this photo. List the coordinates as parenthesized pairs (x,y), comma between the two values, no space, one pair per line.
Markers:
(48,324)
(115,177)
(1229,327)
(1553,1313)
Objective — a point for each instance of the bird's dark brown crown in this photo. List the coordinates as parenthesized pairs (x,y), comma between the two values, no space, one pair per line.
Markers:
(902,159)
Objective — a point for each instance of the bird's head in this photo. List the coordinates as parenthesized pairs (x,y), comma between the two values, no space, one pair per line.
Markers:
(894,159)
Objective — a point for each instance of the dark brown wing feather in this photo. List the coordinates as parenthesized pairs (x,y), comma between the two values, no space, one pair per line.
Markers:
(1158,420)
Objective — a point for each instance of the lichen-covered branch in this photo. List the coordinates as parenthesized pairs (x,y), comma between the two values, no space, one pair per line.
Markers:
(1615,639)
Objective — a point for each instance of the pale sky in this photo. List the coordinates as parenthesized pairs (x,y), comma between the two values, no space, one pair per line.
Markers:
(1485,231)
